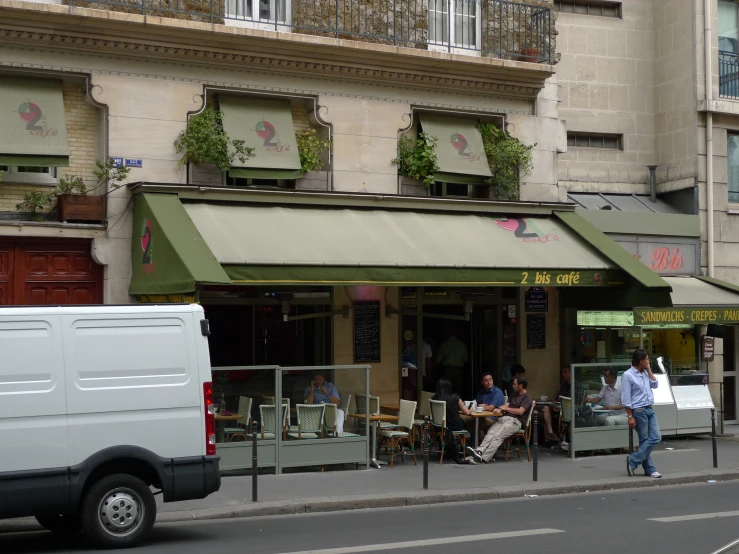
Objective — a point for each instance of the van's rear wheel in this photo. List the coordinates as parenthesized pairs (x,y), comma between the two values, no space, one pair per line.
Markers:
(63,524)
(118,511)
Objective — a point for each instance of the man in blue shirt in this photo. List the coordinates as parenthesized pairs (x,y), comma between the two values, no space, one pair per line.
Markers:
(321,391)
(637,399)
(489,397)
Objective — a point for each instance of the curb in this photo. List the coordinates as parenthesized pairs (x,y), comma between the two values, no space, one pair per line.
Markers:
(416,498)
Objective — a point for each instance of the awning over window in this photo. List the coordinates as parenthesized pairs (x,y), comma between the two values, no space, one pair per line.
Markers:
(696,301)
(168,254)
(461,156)
(33,130)
(267,127)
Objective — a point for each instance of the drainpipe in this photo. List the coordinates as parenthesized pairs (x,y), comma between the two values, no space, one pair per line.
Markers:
(707,41)
(653,182)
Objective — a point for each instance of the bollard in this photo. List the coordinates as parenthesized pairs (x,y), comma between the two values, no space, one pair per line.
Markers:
(713,437)
(254,461)
(535,453)
(425,452)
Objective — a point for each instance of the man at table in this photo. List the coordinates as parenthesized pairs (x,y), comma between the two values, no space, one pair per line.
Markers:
(516,370)
(321,391)
(515,413)
(610,394)
(489,397)
(565,389)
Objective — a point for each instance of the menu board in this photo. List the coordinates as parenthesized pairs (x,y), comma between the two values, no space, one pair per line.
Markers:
(367,331)
(536,332)
(605,319)
(537,300)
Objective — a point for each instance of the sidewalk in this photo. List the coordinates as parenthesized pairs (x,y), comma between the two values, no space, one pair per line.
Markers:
(680,460)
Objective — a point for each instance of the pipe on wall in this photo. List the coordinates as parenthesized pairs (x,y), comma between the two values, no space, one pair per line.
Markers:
(707,50)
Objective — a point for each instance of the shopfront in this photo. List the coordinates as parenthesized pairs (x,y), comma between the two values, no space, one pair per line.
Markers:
(311,279)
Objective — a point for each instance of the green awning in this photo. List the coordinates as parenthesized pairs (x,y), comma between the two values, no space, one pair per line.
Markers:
(33,129)
(168,254)
(459,149)
(267,127)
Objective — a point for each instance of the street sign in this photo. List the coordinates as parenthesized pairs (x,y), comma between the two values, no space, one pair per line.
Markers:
(117,162)
(130,162)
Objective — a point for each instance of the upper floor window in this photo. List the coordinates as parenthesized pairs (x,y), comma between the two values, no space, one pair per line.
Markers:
(594,140)
(589,7)
(28,175)
(728,49)
(259,14)
(462,33)
(733,163)
(458,190)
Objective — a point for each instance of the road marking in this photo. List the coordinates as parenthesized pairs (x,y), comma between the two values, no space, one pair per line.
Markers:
(712,515)
(428,542)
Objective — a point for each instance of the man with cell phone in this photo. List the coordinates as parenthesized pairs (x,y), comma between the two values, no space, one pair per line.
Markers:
(321,391)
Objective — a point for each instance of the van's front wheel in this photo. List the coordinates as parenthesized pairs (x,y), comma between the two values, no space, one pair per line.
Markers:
(63,524)
(118,511)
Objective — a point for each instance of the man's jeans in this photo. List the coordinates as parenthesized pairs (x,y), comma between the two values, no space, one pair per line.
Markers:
(648,430)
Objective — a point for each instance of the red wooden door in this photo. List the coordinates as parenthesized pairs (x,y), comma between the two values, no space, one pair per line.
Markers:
(42,273)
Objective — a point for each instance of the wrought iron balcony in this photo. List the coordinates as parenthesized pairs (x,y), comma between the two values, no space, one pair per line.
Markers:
(728,74)
(493,28)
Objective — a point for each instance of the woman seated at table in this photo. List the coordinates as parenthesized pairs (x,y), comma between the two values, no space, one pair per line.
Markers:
(454,405)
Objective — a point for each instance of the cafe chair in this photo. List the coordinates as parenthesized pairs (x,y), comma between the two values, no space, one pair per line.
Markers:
(243,424)
(524,433)
(310,422)
(329,423)
(565,415)
(270,401)
(268,416)
(396,437)
(438,422)
(424,409)
(346,401)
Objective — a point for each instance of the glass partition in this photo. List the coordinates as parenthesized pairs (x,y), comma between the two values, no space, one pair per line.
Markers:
(597,419)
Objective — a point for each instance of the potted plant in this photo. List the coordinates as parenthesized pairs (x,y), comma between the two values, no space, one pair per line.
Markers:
(73,201)
(530,55)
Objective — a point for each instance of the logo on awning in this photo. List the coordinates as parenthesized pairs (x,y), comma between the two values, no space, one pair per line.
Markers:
(147,246)
(460,144)
(268,133)
(525,229)
(32,114)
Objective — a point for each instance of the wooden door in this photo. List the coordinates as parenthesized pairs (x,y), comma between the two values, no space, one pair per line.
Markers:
(7,252)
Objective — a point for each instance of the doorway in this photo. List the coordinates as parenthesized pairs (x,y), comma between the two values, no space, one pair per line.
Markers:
(731,386)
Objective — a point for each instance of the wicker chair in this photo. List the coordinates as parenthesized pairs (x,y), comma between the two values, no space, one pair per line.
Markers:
(523,433)
(329,423)
(438,422)
(310,422)
(267,413)
(243,424)
(397,436)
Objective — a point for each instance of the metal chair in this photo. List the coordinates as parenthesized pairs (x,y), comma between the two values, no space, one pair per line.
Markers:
(267,413)
(523,433)
(329,423)
(438,421)
(310,422)
(424,409)
(243,424)
(397,436)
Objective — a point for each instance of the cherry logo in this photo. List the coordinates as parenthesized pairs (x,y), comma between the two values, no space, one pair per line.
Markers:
(31,114)
(460,143)
(266,131)
(516,225)
(146,242)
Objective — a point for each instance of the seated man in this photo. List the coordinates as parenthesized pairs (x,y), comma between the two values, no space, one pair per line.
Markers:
(516,370)
(514,413)
(489,397)
(324,392)
(611,395)
(564,390)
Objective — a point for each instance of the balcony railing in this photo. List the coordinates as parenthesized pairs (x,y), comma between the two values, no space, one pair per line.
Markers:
(728,74)
(493,28)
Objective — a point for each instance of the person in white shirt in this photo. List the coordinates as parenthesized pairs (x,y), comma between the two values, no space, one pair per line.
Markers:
(610,394)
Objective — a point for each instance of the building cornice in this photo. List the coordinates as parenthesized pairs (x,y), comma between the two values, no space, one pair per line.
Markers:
(74,29)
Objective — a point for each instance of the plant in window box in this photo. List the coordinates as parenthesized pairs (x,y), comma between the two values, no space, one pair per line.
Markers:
(35,202)
(417,158)
(508,159)
(310,148)
(73,201)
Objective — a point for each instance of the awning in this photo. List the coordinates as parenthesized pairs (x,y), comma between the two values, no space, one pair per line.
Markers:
(461,156)
(270,244)
(168,254)
(696,301)
(33,130)
(267,127)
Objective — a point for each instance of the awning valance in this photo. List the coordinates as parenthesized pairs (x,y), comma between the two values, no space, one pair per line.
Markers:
(33,129)
(696,301)
(460,152)
(168,254)
(267,127)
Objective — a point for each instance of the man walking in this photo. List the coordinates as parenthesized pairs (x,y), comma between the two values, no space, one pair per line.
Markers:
(637,399)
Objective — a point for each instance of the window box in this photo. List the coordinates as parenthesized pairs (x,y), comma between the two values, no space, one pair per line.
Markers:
(78,207)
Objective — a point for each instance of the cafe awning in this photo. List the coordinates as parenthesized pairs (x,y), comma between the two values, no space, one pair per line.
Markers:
(695,300)
(273,244)
(267,127)
(33,129)
(168,254)
(459,149)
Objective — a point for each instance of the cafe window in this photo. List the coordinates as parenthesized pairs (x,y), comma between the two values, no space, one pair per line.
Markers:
(733,169)
(28,175)
(594,140)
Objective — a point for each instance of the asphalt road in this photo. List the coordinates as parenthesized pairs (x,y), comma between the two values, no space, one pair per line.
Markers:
(689,519)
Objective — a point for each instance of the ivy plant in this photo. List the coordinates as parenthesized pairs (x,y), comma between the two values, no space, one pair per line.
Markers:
(508,159)
(417,158)
(205,141)
(310,148)
(34,202)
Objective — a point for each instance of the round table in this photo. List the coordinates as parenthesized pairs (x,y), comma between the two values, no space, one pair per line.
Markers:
(374,418)
(221,425)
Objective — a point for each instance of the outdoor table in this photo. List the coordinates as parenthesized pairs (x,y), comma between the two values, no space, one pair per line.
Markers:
(221,425)
(374,418)
(477,416)
(390,407)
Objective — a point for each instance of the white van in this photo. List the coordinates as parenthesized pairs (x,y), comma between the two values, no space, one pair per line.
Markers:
(99,406)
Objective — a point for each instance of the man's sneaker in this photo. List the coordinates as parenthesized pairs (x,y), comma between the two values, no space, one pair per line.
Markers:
(629,469)
(475,453)
(471,461)
(655,474)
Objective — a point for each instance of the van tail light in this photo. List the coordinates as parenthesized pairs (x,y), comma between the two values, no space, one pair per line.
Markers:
(210,420)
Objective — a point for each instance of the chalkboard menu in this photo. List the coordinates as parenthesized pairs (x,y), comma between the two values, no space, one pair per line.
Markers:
(537,300)
(366,332)
(536,335)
